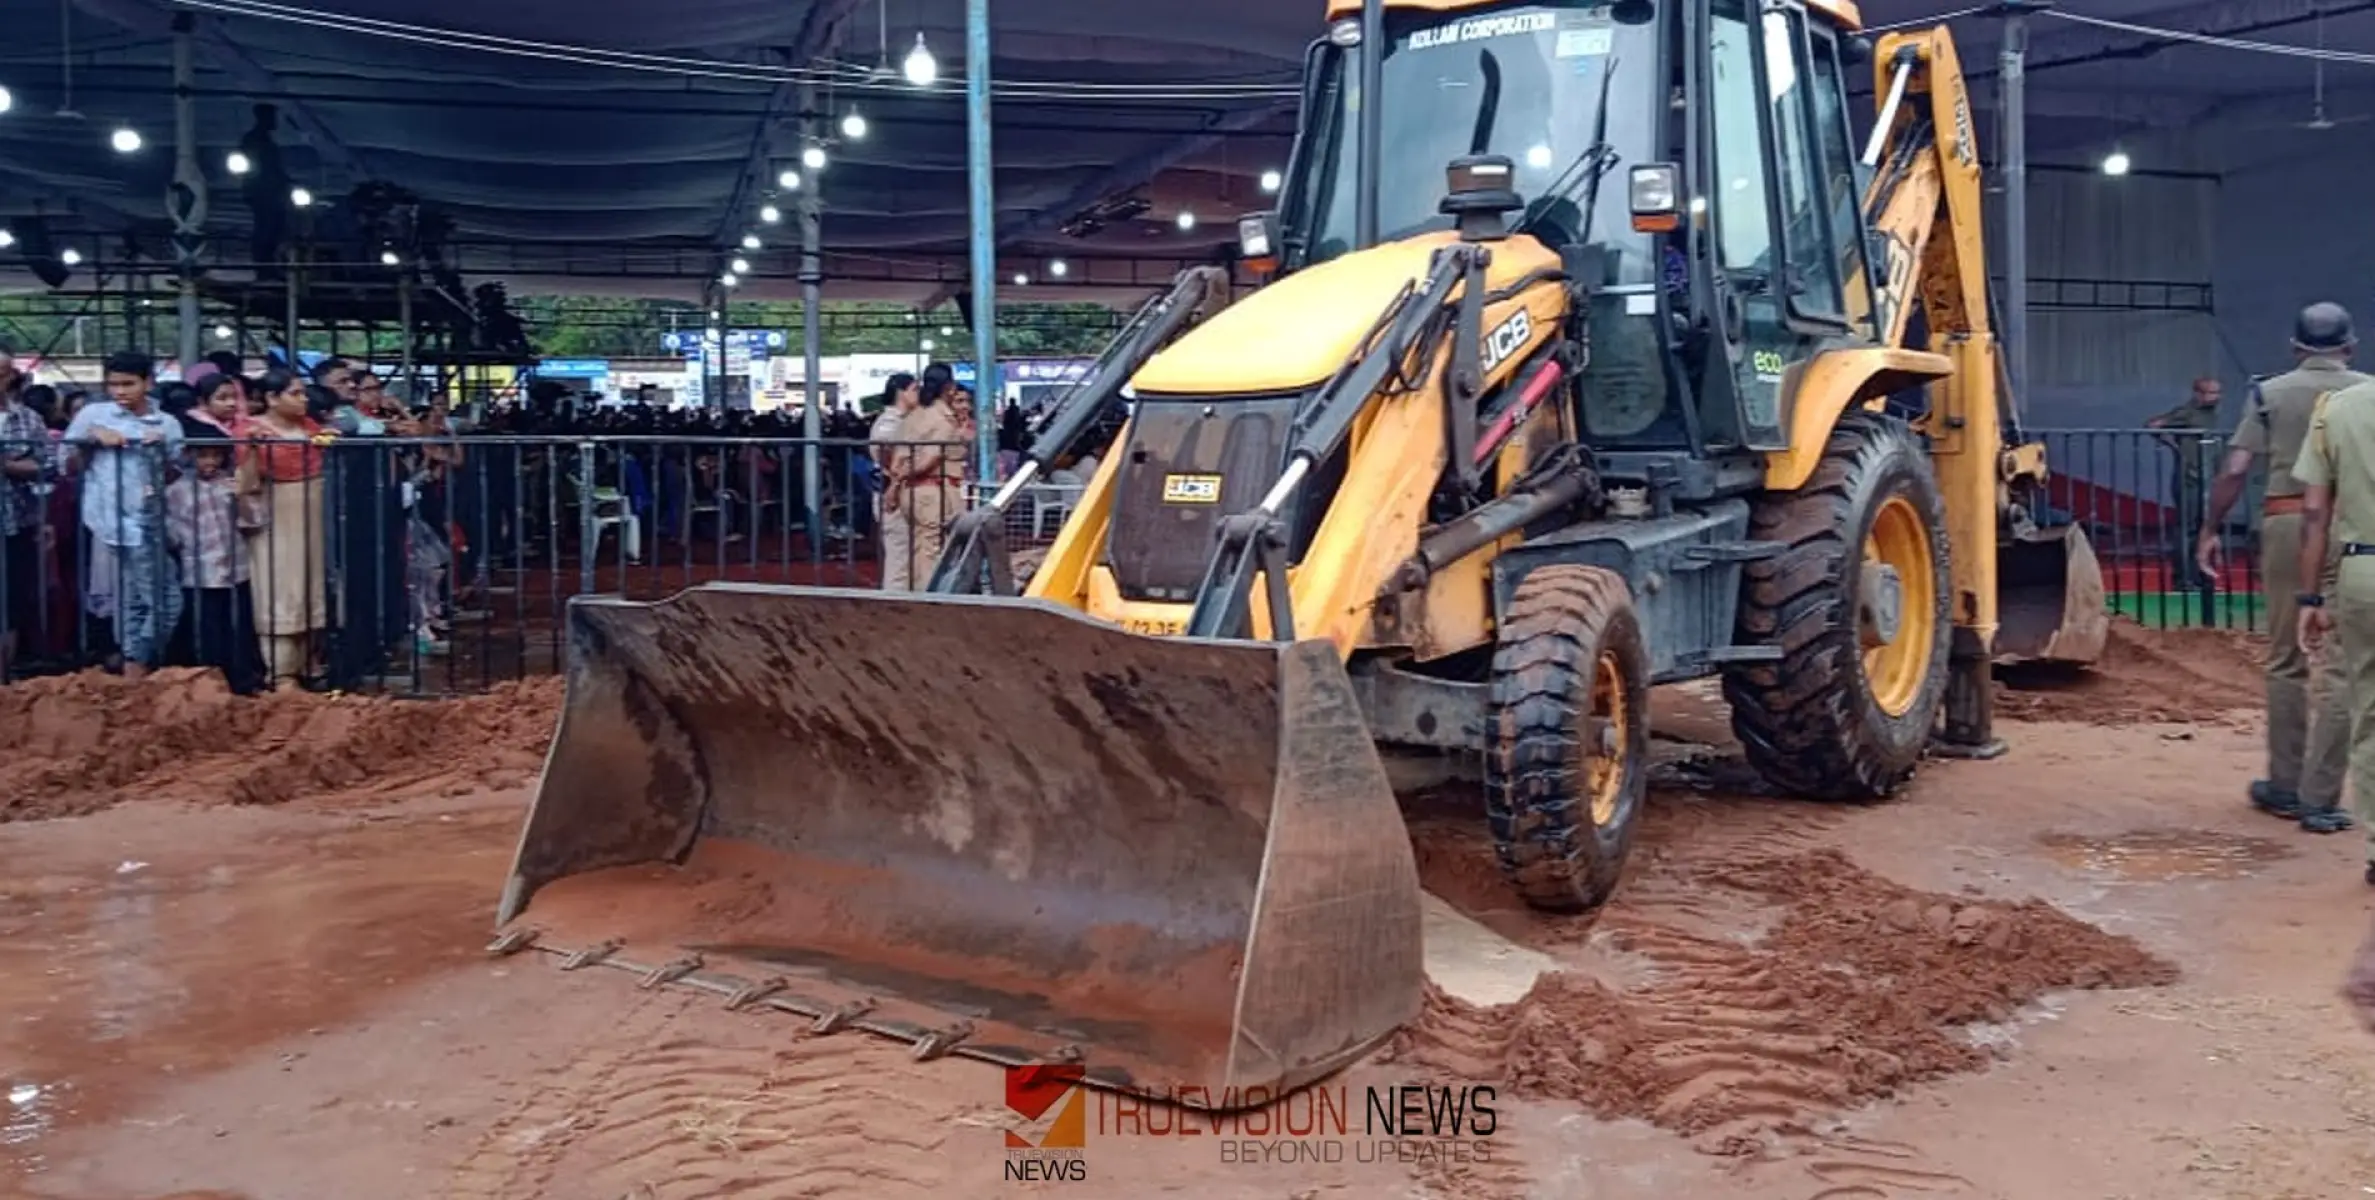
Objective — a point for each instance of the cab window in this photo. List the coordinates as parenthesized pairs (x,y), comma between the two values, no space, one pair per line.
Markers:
(1835,153)
(1813,289)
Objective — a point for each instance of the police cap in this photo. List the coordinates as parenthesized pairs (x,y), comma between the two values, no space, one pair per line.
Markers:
(2323,326)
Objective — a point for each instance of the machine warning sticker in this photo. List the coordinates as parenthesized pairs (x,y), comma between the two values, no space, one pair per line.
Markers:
(1586,43)
(1478,29)
(1191,489)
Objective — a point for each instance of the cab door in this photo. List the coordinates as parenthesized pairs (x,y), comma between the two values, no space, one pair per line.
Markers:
(1778,289)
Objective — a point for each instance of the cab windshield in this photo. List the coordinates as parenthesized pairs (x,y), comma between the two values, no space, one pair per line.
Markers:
(1524,81)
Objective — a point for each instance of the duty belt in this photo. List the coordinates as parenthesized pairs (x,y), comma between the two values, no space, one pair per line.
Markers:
(2358,549)
(2283,506)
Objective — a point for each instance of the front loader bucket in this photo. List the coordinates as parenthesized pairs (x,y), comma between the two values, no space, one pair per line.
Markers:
(2050,604)
(989,827)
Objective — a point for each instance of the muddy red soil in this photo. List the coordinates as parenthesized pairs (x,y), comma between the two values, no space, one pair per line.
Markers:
(2080,971)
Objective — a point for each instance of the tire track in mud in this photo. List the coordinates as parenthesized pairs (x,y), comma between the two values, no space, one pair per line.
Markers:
(1748,978)
(682,1100)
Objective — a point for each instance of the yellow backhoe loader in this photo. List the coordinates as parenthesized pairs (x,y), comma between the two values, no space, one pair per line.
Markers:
(1595,376)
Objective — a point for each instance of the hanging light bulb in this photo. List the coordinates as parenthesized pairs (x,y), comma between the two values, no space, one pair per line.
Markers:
(1059,268)
(7,100)
(788,180)
(1021,280)
(389,258)
(222,333)
(237,163)
(300,197)
(770,214)
(750,241)
(7,239)
(70,256)
(813,158)
(853,127)
(729,279)
(929,345)
(2117,163)
(740,266)
(1187,220)
(946,331)
(125,139)
(921,68)
(1272,181)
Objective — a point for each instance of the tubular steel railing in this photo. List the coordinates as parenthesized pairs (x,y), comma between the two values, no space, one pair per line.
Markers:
(438,566)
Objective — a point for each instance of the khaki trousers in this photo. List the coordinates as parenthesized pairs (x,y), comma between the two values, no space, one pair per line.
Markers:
(930,504)
(2309,702)
(898,542)
(2354,621)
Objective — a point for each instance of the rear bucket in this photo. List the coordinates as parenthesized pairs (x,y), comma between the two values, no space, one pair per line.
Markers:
(2050,604)
(989,827)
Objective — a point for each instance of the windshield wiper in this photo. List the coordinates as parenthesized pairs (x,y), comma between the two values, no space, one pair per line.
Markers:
(1488,108)
(1588,169)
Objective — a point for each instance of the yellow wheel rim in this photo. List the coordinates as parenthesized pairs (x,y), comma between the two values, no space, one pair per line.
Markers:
(1895,667)
(1607,731)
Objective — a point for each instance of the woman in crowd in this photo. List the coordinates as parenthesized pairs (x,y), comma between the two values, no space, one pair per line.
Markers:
(222,404)
(289,555)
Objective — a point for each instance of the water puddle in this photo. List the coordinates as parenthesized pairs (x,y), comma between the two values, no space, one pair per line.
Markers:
(2164,855)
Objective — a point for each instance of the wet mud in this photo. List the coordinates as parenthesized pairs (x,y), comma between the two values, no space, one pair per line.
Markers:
(84,743)
(2145,677)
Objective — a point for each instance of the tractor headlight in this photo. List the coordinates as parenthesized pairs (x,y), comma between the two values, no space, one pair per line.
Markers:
(1657,197)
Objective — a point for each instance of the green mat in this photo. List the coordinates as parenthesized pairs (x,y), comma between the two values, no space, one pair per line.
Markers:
(2164,610)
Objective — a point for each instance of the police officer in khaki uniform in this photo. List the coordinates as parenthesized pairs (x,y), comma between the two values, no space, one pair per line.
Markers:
(2189,428)
(2337,466)
(2308,713)
(890,516)
(929,468)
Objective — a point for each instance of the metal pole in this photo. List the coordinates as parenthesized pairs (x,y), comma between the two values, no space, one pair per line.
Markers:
(404,315)
(812,327)
(185,198)
(291,281)
(1372,128)
(985,222)
(2016,199)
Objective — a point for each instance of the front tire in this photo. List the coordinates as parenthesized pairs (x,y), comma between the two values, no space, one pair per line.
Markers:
(1566,771)
(1860,606)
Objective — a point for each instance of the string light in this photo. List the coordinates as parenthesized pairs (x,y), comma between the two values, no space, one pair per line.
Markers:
(1059,268)
(813,158)
(389,258)
(222,333)
(929,345)
(2116,163)
(740,266)
(70,256)
(237,163)
(770,214)
(125,139)
(7,239)
(853,127)
(729,279)
(1187,220)
(7,100)
(750,241)
(789,180)
(301,198)
(921,68)
(1272,181)
(1021,280)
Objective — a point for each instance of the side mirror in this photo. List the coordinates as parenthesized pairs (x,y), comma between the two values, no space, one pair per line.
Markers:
(1257,240)
(1656,190)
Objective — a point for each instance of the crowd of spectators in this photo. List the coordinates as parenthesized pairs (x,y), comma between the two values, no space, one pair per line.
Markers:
(318,529)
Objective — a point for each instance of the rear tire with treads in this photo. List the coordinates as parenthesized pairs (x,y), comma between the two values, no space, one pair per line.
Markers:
(1567,761)
(1839,718)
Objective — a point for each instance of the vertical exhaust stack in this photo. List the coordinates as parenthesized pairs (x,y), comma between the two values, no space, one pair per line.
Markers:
(994,828)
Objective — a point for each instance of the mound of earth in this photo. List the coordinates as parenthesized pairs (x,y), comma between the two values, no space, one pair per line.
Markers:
(2146,676)
(82,743)
(1863,986)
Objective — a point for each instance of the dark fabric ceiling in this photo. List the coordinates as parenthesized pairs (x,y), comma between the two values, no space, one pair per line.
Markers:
(598,171)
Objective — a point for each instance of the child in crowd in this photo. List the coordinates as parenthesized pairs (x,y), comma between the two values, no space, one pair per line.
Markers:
(209,513)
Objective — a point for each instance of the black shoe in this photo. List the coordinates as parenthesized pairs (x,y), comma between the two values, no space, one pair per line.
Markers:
(2276,801)
(2326,820)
